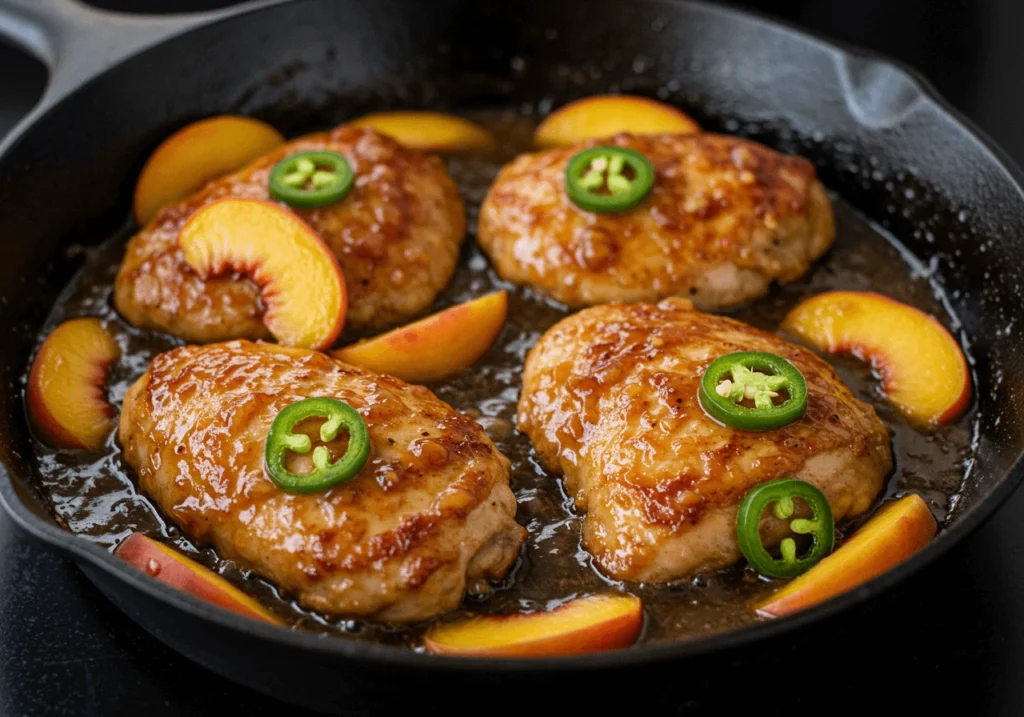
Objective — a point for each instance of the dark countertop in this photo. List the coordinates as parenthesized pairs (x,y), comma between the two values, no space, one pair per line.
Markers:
(951,636)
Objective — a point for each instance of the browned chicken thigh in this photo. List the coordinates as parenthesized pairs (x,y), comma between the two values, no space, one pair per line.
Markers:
(724,218)
(429,516)
(610,402)
(396,236)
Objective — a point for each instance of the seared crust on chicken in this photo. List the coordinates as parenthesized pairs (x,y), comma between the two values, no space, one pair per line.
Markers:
(428,516)
(396,236)
(724,218)
(610,402)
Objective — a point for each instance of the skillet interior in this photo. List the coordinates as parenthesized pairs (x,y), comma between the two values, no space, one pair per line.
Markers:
(96,493)
(875,137)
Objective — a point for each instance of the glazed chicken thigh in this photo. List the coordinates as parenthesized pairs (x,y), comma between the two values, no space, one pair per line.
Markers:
(396,236)
(610,402)
(723,219)
(429,516)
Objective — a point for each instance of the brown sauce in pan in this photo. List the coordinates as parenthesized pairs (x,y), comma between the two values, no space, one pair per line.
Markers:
(96,496)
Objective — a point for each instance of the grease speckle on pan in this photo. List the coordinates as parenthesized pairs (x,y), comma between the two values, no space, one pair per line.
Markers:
(95,494)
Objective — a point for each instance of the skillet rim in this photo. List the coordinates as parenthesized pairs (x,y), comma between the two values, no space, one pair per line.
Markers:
(82,550)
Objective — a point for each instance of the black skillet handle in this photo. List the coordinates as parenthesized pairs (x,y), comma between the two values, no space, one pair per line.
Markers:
(77,42)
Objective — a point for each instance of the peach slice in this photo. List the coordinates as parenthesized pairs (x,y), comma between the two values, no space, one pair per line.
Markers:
(300,281)
(169,566)
(436,347)
(923,370)
(895,533)
(607,115)
(587,624)
(65,394)
(429,131)
(197,153)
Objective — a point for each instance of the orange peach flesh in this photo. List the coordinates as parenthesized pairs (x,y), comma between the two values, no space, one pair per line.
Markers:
(428,131)
(301,283)
(895,533)
(65,394)
(607,115)
(171,567)
(197,153)
(923,369)
(588,624)
(436,347)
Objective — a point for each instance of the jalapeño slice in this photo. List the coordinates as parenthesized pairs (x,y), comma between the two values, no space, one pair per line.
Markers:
(325,474)
(735,381)
(307,180)
(608,179)
(819,526)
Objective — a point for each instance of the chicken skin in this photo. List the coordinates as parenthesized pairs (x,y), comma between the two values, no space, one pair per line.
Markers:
(724,218)
(610,402)
(396,236)
(429,516)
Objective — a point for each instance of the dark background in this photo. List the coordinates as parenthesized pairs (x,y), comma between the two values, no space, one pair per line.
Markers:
(951,639)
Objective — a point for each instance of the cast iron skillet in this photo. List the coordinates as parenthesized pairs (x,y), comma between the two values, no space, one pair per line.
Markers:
(119,84)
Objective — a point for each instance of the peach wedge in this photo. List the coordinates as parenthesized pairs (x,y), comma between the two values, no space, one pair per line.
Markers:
(896,532)
(436,347)
(66,399)
(197,153)
(923,370)
(300,281)
(429,131)
(169,566)
(587,624)
(607,115)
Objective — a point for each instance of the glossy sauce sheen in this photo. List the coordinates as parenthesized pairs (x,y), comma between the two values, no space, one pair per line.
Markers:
(97,495)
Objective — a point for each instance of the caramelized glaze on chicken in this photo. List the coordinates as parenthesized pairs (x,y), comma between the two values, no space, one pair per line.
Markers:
(396,236)
(610,401)
(724,219)
(429,516)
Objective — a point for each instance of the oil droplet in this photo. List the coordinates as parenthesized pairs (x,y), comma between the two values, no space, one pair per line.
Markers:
(153,567)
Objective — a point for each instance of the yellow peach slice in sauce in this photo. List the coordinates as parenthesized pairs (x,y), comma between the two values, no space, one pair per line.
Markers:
(428,131)
(301,283)
(587,624)
(924,371)
(896,532)
(66,398)
(171,567)
(436,347)
(197,153)
(607,115)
